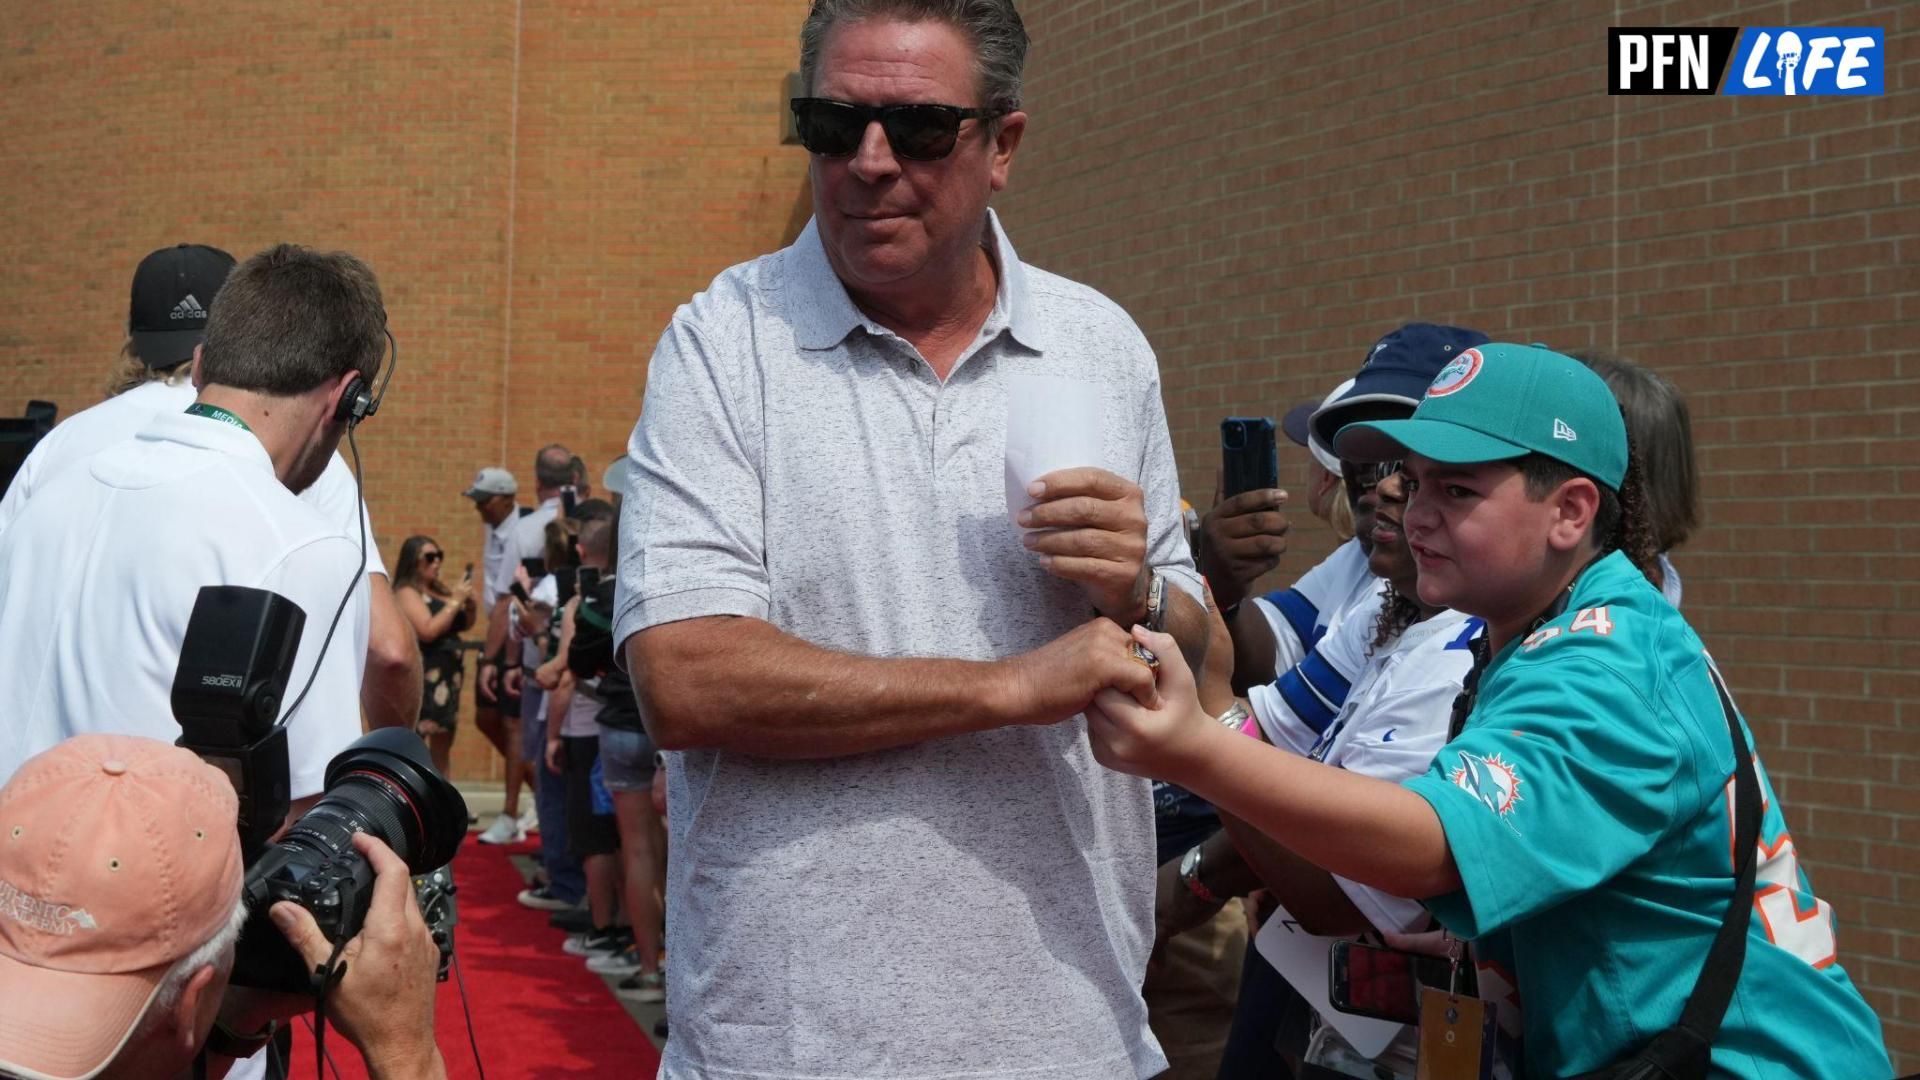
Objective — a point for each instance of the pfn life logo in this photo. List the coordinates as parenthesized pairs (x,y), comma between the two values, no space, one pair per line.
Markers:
(1790,61)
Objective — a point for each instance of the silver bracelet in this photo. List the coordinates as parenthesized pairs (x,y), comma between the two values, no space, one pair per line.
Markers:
(1235,716)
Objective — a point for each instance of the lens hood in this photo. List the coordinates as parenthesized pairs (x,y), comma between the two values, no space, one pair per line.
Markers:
(400,756)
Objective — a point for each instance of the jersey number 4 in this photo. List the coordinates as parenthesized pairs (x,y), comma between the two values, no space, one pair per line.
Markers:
(1593,619)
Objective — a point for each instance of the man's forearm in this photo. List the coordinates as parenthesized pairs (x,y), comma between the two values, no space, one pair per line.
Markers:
(497,620)
(741,684)
(391,682)
(1188,623)
(1253,648)
(421,1065)
(1362,828)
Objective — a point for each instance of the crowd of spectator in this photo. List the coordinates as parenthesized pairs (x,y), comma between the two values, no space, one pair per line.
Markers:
(569,726)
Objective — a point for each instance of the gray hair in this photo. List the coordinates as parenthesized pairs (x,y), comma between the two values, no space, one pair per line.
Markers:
(216,951)
(999,38)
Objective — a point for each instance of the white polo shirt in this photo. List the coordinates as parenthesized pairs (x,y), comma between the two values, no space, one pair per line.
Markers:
(102,567)
(115,420)
(530,532)
(497,561)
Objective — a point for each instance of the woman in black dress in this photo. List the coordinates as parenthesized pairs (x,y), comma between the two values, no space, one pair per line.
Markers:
(438,614)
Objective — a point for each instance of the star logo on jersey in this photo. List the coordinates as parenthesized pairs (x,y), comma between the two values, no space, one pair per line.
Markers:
(1490,779)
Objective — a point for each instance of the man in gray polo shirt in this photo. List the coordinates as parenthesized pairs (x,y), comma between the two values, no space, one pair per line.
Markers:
(893,855)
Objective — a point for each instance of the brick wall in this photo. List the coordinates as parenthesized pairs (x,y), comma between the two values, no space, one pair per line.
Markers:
(538,185)
(1268,187)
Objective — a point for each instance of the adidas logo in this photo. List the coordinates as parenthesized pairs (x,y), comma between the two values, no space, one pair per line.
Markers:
(1562,431)
(187,309)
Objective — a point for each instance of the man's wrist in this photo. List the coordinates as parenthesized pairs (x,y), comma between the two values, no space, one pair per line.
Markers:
(1009,697)
(1136,610)
(411,1063)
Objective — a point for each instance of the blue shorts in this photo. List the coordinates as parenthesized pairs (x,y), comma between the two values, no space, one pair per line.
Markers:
(533,726)
(626,759)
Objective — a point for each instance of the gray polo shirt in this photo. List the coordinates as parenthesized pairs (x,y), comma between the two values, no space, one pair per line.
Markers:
(975,906)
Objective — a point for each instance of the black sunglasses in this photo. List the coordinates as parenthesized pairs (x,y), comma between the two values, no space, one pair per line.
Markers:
(916,132)
(1364,475)
(432,556)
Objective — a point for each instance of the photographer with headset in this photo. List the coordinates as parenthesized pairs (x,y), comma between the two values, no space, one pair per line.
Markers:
(104,564)
(173,290)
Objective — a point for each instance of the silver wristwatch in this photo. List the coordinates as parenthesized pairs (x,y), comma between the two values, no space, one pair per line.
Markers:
(1190,877)
(1156,603)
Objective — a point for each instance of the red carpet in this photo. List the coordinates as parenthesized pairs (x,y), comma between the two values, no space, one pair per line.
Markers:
(537,1012)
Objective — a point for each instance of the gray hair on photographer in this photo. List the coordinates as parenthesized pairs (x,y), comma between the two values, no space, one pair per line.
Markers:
(999,38)
(217,952)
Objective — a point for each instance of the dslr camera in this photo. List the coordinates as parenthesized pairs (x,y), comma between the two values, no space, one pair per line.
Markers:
(232,677)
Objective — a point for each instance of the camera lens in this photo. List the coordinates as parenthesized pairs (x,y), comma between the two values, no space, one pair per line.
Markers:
(385,784)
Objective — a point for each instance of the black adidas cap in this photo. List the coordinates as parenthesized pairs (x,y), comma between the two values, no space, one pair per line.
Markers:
(172,290)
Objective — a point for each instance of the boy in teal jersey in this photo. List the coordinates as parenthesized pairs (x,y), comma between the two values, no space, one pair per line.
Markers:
(1579,829)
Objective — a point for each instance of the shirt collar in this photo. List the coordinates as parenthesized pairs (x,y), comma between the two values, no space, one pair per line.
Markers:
(207,434)
(1600,579)
(822,314)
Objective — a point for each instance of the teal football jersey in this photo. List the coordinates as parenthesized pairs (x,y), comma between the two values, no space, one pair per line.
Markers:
(1588,804)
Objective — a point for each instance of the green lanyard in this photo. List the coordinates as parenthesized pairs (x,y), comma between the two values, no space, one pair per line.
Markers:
(215,412)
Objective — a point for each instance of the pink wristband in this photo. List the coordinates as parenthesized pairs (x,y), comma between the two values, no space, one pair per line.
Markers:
(1252,726)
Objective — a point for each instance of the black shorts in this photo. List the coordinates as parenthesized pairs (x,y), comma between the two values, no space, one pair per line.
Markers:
(588,833)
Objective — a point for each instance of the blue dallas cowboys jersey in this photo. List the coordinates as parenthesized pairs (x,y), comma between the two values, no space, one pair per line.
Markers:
(1588,804)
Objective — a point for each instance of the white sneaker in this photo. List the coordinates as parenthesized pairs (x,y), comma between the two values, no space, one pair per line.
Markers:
(529,820)
(624,962)
(504,830)
(643,986)
(606,942)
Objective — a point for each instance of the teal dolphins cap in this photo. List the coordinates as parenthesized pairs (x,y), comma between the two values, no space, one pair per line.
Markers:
(1496,402)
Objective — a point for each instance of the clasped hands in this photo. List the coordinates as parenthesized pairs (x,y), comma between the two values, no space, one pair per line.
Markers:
(1090,527)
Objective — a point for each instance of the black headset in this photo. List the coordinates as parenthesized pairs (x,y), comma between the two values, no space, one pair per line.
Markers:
(359,401)
(356,404)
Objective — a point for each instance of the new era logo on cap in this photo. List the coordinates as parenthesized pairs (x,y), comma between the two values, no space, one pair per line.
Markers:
(1562,431)
(188,308)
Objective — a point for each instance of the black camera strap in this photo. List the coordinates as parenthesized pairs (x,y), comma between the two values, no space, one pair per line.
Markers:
(324,979)
(1469,694)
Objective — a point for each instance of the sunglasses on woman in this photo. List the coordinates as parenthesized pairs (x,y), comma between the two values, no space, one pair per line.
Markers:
(432,556)
(916,132)
(1362,476)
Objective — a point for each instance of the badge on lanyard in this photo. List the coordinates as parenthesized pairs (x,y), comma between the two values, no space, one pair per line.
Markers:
(1456,1037)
